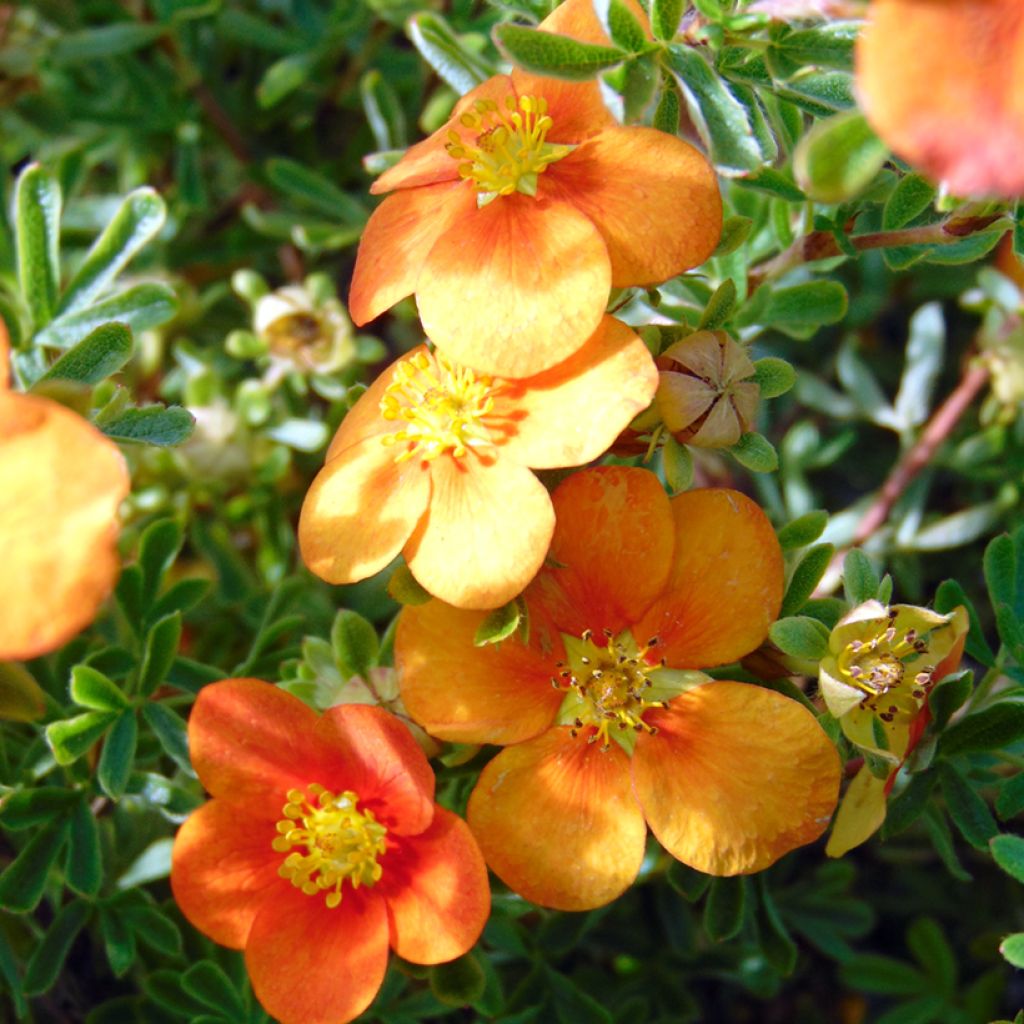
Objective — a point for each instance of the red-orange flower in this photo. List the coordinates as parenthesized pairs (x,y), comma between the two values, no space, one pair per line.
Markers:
(322,847)
(432,461)
(639,592)
(62,482)
(513,221)
(942,82)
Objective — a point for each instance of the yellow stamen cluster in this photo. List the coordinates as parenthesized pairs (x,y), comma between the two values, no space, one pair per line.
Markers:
(611,686)
(877,667)
(508,150)
(442,405)
(337,842)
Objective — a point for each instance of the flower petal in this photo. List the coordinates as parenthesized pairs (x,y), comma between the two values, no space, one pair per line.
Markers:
(735,777)
(514,287)
(364,419)
(396,240)
(557,821)
(312,965)
(612,548)
(360,510)
(437,892)
(222,868)
(572,413)
(653,198)
(498,693)
(62,482)
(485,534)
(682,399)
(953,111)
(375,755)
(725,586)
(860,814)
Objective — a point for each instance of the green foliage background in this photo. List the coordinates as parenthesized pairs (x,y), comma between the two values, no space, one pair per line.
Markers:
(260,123)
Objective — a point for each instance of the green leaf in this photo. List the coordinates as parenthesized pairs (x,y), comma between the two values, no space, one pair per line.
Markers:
(776,942)
(181,597)
(690,883)
(26,808)
(48,959)
(383,111)
(355,642)
(498,625)
(756,453)
(801,308)
(298,181)
(924,361)
(138,219)
(910,198)
(908,806)
(666,116)
(992,728)
(404,588)
(37,205)
(458,982)
(838,158)
(932,951)
(665,18)
(830,45)
(442,49)
(1010,801)
(949,596)
(942,840)
(1000,564)
(949,696)
(860,581)
(800,636)
(969,812)
(70,738)
(207,983)
(871,973)
(118,940)
(160,651)
(721,120)
(118,755)
(719,307)
(1008,852)
(161,541)
(735,230)
(92,689)
(572,1005)
(163,426)
(105,41)
(83,866)
(23,880)
(138,308)
(724,909)
(773,376)
(806,576)
(547,53)
(1012,948)
(155,930)
(803,530)
(169,728)
(101,353)
(677,462)
(284,76)
(623,28)
(774,183)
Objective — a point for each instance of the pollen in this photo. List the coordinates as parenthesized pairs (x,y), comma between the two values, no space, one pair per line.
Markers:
(328,841)
(442,407)
(506,149)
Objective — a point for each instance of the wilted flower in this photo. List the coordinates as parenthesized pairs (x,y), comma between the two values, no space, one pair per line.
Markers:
(322,847)
(608,725)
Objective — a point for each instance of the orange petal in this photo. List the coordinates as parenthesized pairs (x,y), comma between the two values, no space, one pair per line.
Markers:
(62,482)
(251,742)
(735,777)
(364,420)
(361,508)
(498,693)
(222,868)
(571,414)
(557,821)
(514,287)
(613,546)
(725,586)
(437,892)
(576,18)
(396,240)
(860,814)
(666,220)
(375,755)
(485,534)
(953,110)
(312,965)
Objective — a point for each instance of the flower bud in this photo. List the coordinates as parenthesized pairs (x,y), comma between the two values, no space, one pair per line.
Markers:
(314,337)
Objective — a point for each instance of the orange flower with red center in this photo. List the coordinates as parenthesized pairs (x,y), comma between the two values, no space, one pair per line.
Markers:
(942,82)
(513,221)
(322,847)
(62,482)
(607,723)
(432,461)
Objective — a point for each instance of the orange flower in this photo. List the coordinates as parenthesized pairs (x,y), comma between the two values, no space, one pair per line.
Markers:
(321,847)
(62,482)
(432,461)
(941,82)
(607,723)
(513,221)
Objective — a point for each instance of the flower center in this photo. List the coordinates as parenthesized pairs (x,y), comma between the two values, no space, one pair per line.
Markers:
(508,149)
(877,667)
(336,842)
(443,407)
